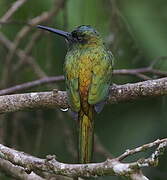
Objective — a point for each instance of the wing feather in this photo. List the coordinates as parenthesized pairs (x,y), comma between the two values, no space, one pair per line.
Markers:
(101,79)
(71,75)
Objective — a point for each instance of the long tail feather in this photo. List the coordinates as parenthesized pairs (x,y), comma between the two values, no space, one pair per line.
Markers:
(86,135)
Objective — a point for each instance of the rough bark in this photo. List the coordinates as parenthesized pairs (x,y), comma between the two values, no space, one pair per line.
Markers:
(55,98)
(112,167)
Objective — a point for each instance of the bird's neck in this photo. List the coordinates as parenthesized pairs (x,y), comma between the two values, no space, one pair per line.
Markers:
(86,46)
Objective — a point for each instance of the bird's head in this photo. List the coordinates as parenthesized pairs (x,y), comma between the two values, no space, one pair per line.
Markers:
(86,35)
(83,35)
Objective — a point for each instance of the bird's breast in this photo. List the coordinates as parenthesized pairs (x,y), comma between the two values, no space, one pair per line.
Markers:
(85,76)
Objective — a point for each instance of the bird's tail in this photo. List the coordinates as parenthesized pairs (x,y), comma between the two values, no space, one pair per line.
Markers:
(86,135)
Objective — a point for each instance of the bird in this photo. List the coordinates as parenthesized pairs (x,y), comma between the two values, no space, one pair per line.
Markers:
(88,70)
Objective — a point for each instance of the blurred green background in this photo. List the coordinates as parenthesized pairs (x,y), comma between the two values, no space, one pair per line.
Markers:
(135,31)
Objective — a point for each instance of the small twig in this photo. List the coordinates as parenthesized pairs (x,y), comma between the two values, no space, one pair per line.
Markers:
(53,79)
(27,50)
(15,6)
(158,72)
(17,172)
(142,148)
(138,176)
(153,160)
(21,54)
(45,16)
(31,84)
(142,76)
(140,71)
(153,63)
(13,22)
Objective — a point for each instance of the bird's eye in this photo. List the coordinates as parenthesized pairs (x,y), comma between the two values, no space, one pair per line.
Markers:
(78,37)
(74,34)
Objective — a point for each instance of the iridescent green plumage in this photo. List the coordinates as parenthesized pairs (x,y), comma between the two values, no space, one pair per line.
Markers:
(88,70)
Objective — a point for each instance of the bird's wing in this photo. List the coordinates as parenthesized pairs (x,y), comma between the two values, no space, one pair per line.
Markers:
(102,71)
(71,75)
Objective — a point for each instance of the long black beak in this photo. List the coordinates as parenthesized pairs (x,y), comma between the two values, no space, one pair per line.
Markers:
(66,35)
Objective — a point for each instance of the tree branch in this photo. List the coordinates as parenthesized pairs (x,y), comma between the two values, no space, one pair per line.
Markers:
(118,93)
(28,85)
(52,79)
(43,17)
(127,92)
(140,71)
(139,149)
(33,22)
(112,167)
(22,55)
(15,6)
(16,171)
